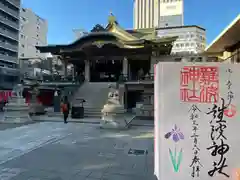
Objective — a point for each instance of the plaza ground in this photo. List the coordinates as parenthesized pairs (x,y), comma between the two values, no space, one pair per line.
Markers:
(57,151)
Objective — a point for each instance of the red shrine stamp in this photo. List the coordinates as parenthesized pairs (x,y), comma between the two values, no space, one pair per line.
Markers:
(230,111)
(199,84)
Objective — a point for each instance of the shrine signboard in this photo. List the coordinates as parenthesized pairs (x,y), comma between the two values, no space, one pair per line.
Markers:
(197,122)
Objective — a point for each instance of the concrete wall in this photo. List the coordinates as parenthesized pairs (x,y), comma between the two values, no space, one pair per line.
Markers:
(33,32)
(171,21)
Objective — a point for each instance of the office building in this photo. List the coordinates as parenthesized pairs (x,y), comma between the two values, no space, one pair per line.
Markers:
(33,32)
(191,39)
(158,13)
(9,33)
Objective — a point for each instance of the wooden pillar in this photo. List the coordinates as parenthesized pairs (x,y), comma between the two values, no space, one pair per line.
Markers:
(152,61)
(87,70)
(125,67)
(73,72)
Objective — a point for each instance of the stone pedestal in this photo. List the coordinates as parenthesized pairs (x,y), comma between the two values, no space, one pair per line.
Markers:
(113,112)
(16,111)
(35,108)
(113,117)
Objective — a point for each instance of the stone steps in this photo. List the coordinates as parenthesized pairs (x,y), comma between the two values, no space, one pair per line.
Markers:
(95,95)
(92,112)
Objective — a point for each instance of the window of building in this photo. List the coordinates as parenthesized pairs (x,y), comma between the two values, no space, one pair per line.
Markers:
(192,44)
(199,59)
(181,45)
(178,59)
(23,45)
(24,10)
(22,36)
(22,54)
(24,19)
(177,45)
(187,44)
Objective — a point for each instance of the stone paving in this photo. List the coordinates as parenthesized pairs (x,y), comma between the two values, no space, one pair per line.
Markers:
(45,118)
(73,151)
(4,126)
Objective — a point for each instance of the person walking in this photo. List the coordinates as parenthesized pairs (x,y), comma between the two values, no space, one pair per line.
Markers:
(65,106)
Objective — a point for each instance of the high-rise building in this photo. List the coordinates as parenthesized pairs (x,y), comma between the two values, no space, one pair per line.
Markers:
(158,13)
(191,39)
(9,33)
(167,17)
(33,32)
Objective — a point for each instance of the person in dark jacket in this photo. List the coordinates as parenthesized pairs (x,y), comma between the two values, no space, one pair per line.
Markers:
(65,106)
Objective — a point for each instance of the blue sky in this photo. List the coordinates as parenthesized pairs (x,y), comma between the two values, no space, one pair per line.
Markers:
(65,15)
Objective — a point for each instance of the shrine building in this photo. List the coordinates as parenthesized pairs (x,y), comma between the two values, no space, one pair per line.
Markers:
(113,54)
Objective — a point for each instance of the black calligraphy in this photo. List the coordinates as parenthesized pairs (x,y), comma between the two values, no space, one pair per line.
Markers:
(218,147)
(195,165)
(230,94)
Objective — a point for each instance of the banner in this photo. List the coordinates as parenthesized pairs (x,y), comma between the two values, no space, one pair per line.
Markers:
(197,121)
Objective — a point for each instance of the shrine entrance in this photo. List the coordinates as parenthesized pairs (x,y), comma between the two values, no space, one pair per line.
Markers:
(133,98)
(79,71)
(139,68)
(105,70)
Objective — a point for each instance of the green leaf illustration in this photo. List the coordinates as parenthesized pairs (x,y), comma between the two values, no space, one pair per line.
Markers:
(176,160)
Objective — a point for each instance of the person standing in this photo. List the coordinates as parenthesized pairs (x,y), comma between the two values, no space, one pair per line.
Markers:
(65,106)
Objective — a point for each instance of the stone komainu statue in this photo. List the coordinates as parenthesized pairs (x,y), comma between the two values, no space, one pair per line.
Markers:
(18,90)
(113,95)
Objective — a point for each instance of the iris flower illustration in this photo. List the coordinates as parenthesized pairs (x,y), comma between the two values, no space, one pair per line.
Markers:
(176,134)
